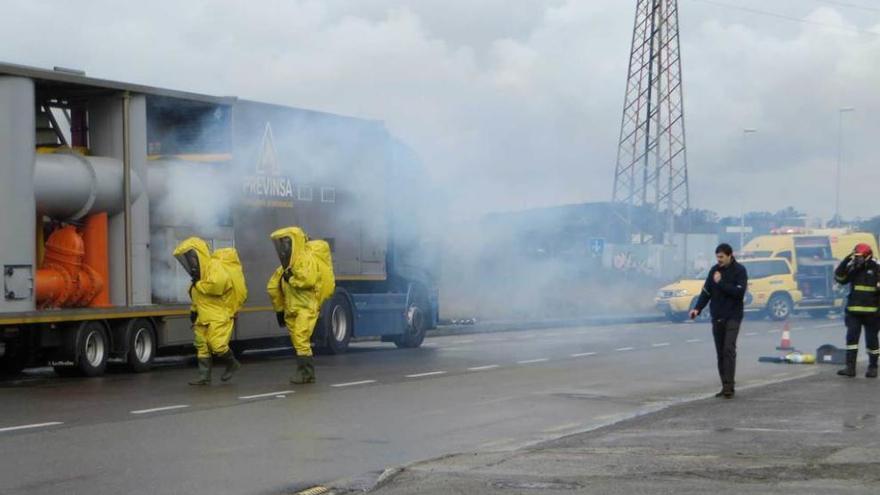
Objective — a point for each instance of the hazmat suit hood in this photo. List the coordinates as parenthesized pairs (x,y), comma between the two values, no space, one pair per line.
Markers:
(194,255)
(290,244)
(227,255)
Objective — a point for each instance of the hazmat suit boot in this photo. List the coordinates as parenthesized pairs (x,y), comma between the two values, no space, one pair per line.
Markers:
(850,370)
(310,369)
(204,377)
(303,374)
(232,365)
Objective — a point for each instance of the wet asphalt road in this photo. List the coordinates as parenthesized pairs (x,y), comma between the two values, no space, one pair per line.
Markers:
(372,408)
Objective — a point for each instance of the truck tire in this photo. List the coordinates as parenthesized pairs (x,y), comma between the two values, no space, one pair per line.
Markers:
(15,359)
(416,322)
(779,307)
(91,347)
(337,325)
(142,345)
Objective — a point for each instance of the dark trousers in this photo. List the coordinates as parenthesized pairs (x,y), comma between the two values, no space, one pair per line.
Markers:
(854,324)
(725,333)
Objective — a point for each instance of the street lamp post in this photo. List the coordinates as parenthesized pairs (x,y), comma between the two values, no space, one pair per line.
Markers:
(840,113)
(742,204)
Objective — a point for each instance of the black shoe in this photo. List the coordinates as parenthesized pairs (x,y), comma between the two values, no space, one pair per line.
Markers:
(872,372)
(849,371)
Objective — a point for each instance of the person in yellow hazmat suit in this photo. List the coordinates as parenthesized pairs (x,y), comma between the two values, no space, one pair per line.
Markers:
(211,313)
(293,290)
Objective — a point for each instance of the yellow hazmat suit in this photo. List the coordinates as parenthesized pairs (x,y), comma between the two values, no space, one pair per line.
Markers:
(213,306)
(292,287)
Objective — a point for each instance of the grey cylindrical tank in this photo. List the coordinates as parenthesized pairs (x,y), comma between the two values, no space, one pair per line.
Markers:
(69,186)
(17,216)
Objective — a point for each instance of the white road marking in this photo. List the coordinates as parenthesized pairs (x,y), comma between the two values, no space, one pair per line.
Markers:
(751,334)
(160,409)
(530,361)
(352,384)
(29,427)
(693,341)
(624,349)
(483,368)
(268,394)
(584,354)
(783,430)
(660,344)
(430,373)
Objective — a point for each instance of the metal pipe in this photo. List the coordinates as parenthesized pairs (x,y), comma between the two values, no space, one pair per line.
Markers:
(126,194)
(70,186)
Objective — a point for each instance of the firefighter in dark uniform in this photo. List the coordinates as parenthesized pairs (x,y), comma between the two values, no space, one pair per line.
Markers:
(862,272)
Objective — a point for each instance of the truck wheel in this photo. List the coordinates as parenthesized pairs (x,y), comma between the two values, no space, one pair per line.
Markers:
(141,345)
(337,325)
(416,323)
(779,307)
(15,359)
(91,348)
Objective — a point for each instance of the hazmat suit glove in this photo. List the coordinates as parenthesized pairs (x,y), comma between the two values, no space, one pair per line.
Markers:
(193,316)
(288,273)
(280,317)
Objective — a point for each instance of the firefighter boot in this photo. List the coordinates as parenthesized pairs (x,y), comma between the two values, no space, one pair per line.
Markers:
(204,372)
(301,375)
(850,370)
(872,366)
(232,365)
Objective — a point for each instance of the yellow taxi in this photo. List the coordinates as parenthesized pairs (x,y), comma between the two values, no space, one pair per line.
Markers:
(772,291)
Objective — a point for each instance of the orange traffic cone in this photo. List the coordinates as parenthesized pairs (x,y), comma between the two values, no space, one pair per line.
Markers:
(785,345)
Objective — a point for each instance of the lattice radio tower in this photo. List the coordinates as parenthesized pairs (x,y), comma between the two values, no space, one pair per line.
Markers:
(651,158)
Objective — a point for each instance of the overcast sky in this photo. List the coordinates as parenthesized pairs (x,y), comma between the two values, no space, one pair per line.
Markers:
(515,103)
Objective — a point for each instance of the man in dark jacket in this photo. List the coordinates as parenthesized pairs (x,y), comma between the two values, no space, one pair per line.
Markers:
(725,288)
(861,271)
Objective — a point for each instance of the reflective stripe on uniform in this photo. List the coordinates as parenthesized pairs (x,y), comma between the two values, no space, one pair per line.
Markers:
(853,347)
(840,279)
(874,351)
(864,288)
(862,309)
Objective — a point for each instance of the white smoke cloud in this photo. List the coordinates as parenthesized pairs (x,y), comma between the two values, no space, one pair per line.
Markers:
(511,104)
